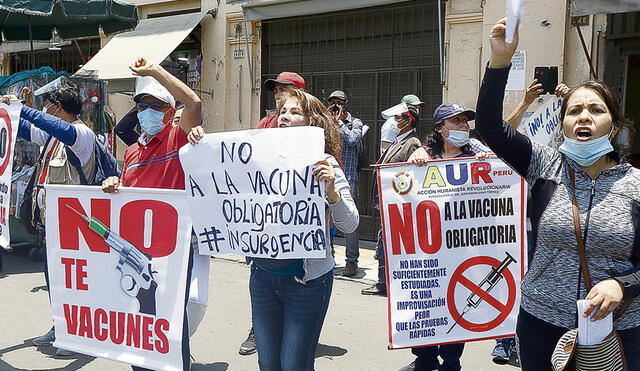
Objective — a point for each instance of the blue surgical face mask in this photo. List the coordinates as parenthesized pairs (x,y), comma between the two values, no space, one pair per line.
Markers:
(151,121)
(458,138)
(586,153)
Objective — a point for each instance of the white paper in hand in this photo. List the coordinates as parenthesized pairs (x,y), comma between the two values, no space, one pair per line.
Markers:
(591,333)
(515,13)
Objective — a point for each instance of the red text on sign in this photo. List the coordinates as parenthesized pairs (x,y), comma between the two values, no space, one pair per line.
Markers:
(427,221)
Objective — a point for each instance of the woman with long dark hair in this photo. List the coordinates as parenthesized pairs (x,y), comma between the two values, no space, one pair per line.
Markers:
(588,170)
(290,298)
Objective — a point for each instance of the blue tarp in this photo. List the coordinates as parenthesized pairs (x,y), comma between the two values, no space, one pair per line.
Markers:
(23,75)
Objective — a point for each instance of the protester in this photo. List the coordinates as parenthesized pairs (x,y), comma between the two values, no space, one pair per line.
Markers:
(596,137)
(390,128)
(152,161)
(289,298)
(351,134)
(405,143)
(279,85)
(505,347)
(57,128)
(450,139)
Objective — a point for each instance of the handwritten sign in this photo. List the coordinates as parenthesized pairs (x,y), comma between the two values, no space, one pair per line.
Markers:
(543,126)
(252,193)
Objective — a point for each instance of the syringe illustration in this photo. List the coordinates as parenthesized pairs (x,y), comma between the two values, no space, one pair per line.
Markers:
(134,266)
(487,284)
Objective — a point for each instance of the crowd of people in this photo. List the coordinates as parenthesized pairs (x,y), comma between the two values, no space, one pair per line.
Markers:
(290,298)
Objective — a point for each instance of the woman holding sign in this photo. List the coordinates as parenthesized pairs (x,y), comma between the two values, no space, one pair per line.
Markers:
(450,139)
(289,298)
(590,172)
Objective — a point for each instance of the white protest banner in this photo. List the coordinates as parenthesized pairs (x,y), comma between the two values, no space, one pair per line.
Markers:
(543,126)
(516,79)
(455,244)
(252,193)
(117,271)
(9,118)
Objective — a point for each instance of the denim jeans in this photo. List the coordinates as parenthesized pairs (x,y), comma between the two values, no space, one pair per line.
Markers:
(382,279)
(287,318)
(537,339)
(352,239)
(428,357)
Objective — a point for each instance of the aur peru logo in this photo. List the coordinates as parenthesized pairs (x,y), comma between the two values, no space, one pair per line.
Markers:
(402,182)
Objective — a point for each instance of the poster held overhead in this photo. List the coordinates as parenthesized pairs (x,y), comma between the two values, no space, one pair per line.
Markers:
(515,14)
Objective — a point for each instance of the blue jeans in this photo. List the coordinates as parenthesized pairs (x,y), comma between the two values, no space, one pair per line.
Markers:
(352,239)
(428,357)
(287,318)
(538,338)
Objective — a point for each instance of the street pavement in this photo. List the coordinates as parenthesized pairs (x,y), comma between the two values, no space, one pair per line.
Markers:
(354,336)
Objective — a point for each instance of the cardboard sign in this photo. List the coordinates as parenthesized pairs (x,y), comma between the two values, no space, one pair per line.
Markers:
(455,244)
(543,126)
(117,270)
(252,193)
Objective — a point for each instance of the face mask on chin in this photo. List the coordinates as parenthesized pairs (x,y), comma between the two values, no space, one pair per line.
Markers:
(586,153)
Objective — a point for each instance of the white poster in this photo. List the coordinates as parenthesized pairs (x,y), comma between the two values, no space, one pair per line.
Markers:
(543,126)
(455,244)
(117,270)
(252,193)
(9,118)
(517,78)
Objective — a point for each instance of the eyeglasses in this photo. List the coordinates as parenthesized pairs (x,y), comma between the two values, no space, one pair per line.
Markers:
(155,106)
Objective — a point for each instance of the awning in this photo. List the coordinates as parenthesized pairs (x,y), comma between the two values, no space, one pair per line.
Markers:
(153,39)
(586,7)
(269,9)
(24,46)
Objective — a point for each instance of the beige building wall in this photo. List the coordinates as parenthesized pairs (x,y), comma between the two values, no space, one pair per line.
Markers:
(231,62)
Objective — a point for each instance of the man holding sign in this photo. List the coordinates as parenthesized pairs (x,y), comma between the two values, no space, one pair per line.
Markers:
(153,162)
(269,194)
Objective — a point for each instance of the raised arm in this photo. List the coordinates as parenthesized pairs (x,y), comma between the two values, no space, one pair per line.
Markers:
(351,136)
(192,106)
(511,146)
(533,91)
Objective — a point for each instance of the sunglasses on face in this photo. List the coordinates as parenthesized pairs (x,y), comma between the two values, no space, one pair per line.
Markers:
(154,106)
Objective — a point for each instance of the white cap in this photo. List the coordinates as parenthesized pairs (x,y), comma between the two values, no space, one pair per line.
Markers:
(398,109)
(147,85)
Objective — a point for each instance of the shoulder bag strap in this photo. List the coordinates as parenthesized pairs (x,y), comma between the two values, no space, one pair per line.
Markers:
(582,252)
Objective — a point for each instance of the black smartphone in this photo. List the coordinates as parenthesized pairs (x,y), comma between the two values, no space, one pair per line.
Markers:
(548,77)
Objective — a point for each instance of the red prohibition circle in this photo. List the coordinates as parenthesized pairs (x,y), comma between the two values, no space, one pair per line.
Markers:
(5,116)
(459,278)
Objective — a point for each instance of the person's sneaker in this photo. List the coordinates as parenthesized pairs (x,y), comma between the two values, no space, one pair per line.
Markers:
(46,339)
(376,289)
(64,353)
(501,353)
(249,345)
(350,270)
